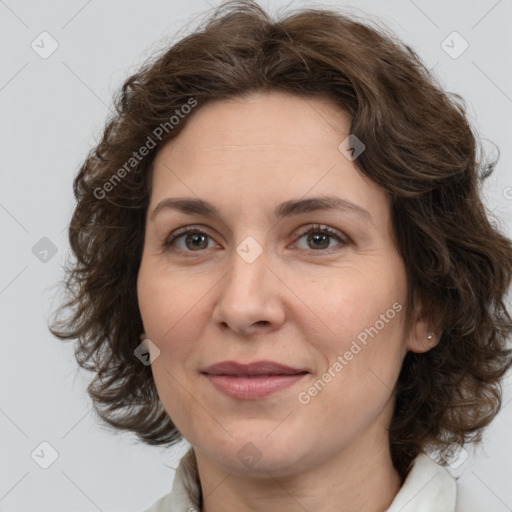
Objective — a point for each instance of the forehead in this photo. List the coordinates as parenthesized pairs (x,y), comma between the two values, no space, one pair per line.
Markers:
(257,151)
(273,120)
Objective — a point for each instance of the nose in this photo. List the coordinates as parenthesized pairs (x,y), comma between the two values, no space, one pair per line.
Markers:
(249,297)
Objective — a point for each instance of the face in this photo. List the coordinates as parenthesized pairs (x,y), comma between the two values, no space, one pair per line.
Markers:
(320,290)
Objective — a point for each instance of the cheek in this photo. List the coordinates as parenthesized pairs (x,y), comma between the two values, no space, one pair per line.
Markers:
(168,302)
(351,303)
(364,315)
(170,310)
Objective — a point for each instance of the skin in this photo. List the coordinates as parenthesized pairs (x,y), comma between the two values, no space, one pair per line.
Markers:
(295,304)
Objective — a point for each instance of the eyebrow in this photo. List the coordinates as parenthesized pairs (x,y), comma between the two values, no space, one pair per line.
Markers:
(194,206)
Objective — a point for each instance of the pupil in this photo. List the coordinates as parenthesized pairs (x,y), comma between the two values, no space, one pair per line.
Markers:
(319,238)
(196,239)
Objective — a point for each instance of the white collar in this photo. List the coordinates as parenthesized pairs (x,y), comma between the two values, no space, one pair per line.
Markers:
(428,487)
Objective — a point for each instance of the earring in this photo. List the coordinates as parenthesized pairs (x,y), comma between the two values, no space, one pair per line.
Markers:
(430,335)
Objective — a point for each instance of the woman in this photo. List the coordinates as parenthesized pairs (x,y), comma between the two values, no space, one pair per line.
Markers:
(283,257)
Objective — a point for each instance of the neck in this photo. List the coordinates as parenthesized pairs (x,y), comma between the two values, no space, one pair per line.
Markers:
(361,478)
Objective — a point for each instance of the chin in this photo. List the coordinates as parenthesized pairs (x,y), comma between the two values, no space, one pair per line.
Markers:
(257,455)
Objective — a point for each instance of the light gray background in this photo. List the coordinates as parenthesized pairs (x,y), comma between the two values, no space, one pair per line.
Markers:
(52,112)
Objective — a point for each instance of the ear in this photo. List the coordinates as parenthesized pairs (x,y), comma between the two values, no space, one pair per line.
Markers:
(424,333)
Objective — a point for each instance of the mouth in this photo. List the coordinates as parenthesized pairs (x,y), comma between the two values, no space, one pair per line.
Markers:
(252,381)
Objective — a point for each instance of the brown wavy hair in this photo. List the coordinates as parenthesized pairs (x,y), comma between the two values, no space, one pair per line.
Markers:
(420,148)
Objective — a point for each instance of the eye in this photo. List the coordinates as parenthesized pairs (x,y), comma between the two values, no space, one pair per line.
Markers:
(194,239)
(319,238)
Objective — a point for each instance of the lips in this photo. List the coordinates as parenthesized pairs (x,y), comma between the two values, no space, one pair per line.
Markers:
(234,369)
(252,381)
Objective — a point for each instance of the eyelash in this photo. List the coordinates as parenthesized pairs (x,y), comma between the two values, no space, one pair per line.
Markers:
(315,228)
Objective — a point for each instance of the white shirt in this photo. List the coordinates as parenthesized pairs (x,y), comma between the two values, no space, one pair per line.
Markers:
(428,487)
